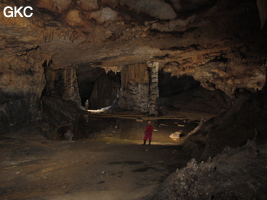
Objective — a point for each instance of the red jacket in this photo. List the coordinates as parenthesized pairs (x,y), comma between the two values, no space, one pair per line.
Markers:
(149,129)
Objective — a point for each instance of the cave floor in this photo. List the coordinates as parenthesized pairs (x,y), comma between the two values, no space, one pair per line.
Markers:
(181,114)
(33,167)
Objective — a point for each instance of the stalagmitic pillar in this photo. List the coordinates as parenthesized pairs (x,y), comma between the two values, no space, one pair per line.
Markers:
(62,84)
(153,88)
(139,88)
(135,87)
(71,90)
(262,7)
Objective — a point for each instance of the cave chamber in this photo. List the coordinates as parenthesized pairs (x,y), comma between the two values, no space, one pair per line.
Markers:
(177,63)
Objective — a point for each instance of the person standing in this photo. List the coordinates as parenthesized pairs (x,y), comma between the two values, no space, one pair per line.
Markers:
(86,105)
(148,133)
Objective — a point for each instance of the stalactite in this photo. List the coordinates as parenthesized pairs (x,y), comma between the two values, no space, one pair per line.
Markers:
(134,73)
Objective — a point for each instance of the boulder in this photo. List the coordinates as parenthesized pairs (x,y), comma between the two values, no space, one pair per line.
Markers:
(73,18)
(104,15)
(88,5)
(54,5)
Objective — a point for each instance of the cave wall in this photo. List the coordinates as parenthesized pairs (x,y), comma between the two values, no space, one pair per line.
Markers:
(172,85)
(262,7)
(62,84)
(219,43)
(243,121)
(101,87)
(135,87)
(87,76)
(60,102)
(25,79)
(105,91)
(21,84)
(153,88)
(184,95)
(139,87)
(58,116)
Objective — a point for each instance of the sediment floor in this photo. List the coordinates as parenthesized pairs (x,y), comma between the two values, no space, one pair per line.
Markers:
(105,166)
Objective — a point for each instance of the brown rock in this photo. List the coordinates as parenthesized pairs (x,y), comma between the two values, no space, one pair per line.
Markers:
(104,15)
(158,9)
(54,5)
(73,18)
(88,4)
(112,3)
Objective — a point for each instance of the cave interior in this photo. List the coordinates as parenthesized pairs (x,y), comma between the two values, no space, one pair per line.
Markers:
(193,67)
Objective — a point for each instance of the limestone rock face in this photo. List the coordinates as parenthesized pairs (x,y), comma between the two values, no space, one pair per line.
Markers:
(135,88)
(158,9)
(87,77)
(104,15)
(73,18)
(106,91)
(58,117)
(181,5)
(112,3)
(88,4)
(242,122)
(218,43)
(139,87)
(62,84)
(153,88)
(21,84)
(215,178)
(54,5)
(174,25)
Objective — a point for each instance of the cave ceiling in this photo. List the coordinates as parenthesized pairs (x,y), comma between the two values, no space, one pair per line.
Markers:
(213,40)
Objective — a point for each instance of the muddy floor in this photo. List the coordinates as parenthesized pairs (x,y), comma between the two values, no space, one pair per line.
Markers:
(111,164)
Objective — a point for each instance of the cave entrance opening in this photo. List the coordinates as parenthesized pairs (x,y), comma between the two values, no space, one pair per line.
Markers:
(98,86)
(184,94)
(172,85)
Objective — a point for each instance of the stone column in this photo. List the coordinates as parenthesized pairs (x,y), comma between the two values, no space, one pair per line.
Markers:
(70,90)
(153,88)
(135,87)
(62,84)
(262,7)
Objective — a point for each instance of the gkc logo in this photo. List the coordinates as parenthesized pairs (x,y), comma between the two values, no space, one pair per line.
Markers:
(21,11)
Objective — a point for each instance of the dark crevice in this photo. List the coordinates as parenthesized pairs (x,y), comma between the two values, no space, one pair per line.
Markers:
(220,58)
(25,52)
(182,48)
(171,85)
(137,17)
(161,57)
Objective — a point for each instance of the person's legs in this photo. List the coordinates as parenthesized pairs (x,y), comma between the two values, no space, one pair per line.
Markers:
(149,138)
(145,138)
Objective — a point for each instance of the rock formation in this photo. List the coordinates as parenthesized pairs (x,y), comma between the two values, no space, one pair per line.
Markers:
(218,43)
(156,57)
(230,175)
(135,87)
(244,121)
(262,6)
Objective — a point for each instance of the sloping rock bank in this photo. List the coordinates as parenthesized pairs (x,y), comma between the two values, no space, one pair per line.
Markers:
(245,120)
(230,175)
(217,171)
